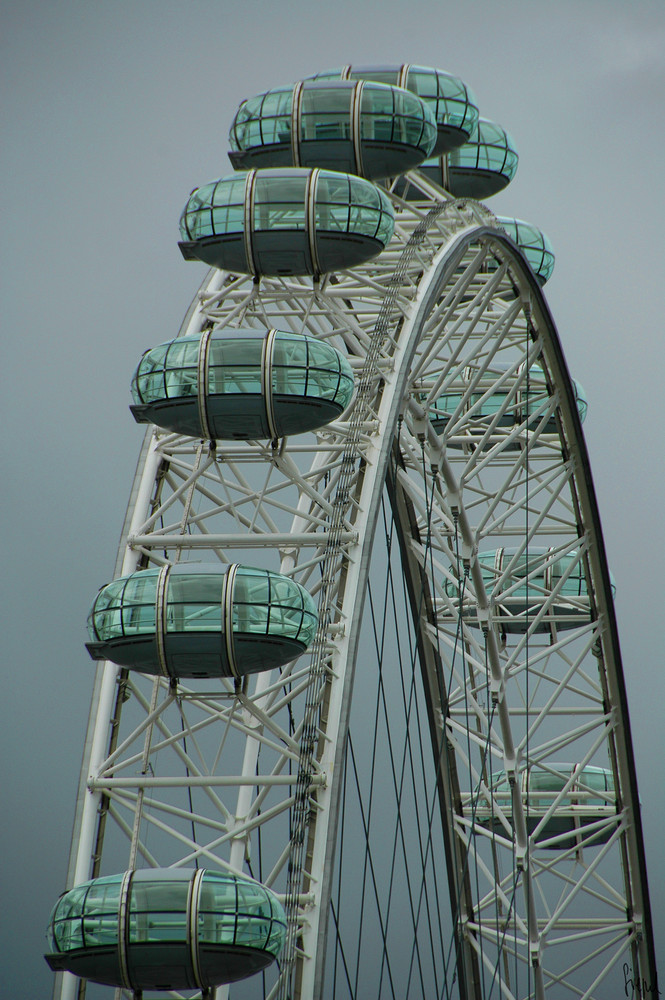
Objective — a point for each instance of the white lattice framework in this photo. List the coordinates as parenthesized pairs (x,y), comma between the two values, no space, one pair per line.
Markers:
(212,773)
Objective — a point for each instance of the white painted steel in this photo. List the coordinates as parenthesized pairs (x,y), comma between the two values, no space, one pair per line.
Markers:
(461,299)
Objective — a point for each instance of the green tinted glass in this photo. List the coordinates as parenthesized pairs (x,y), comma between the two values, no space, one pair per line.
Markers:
(377,100)
(214,209)
(138,603)
(575,583)
(276,103)
(100,922)
(148,381)
(251,601)
(194,602)
(581,400)
(543,789)
(533,243)
(289,365)
(182,351)
(235,911)
(262,120)
(279,203)
(158,911)
(451,101)
(65,927)
(489,148)
(593,779)
(234,366)
(325,113)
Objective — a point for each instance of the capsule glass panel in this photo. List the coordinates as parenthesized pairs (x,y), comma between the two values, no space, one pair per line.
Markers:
(273,620)
(240,925)
(353,222)
(259,384)
(452,103)
(534,244)
(590,798)
(521,585)
(484,165)
(367,129)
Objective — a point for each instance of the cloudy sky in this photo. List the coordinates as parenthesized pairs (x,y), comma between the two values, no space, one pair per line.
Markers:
(112,111)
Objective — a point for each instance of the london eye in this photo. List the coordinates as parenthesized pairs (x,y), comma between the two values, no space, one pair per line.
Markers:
(359,725)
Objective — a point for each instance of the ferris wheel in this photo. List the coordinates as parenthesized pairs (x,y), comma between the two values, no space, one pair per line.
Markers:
(359,725)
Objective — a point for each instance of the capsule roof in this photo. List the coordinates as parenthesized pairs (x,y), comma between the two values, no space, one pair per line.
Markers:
(239,929)
(286,221)
(198,620)
(453,104)
(256,384)
(364,128)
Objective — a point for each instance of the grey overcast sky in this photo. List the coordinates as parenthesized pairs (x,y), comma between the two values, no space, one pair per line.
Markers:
(112,111)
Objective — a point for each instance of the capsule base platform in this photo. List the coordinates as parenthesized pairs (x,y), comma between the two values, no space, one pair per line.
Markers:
(283,253)
(238,417)
(189,654)
(162,966)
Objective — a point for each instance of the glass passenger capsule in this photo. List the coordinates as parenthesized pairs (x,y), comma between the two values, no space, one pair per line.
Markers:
(453,104)
(286,221)
(483,166)
(166,929)
(256,384)
(590,799)
(491,400)
(534,244)
(198,620)
(521,586)
(362,128)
